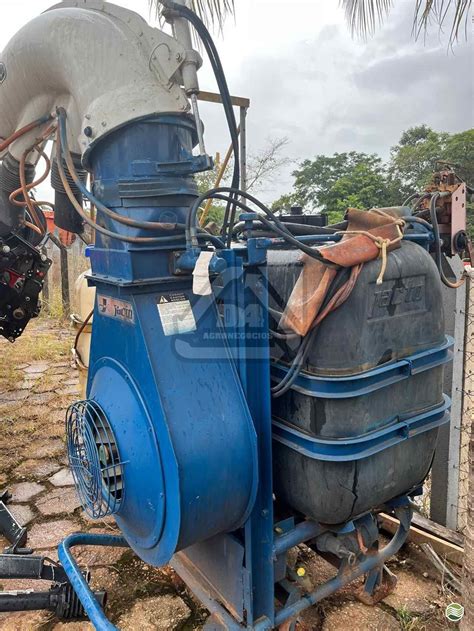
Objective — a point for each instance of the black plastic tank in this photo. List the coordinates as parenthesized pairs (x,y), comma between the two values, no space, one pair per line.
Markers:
(378,326)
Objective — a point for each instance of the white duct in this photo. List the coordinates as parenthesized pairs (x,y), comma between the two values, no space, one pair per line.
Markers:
(104,64)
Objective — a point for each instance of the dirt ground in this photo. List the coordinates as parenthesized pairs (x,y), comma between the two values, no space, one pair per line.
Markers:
(37,384)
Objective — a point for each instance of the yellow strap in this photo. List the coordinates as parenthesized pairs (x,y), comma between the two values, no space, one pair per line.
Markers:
(382,244)
(383,254)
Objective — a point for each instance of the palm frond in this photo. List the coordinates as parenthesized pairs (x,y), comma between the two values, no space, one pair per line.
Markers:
(364,16)
(438,11)
(212,12)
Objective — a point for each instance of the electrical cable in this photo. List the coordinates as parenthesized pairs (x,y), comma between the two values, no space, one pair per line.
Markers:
(296,229)
(4,144)
(193,218)
(78,335)
(287,236)
(409,198)
(284,336)
(36,220)
(338,293)
(34,184)
(25,188)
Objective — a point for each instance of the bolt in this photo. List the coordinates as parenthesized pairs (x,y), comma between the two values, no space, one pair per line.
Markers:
(44,258)
(88,131)
(6,249)
(178,56)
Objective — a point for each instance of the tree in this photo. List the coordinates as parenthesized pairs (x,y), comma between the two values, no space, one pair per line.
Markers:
(262,169)
(332,184)
(413,159)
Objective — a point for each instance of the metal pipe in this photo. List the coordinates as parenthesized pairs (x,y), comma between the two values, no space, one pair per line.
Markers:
(243,149)
(266,242)
(404,514)
(76,578)
(197,120)
(299,534)
(27,601)
(220,175)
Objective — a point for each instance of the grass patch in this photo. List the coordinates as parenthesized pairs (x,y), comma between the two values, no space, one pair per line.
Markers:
(408,621)
(41,346)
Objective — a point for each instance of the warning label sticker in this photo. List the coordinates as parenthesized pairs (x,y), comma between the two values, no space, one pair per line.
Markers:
(114,308)
(176,314)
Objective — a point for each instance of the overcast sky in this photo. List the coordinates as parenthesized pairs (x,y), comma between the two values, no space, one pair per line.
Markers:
(310,81)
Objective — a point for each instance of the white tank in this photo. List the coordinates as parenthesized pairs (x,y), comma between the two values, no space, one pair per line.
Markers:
(85,299)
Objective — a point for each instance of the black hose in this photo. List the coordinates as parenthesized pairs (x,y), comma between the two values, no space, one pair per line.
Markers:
(418,220)
(298,362)
(288,380)
(284,234)
(202,31)
(295,228)
(437,243)
(408,199)
(193,219)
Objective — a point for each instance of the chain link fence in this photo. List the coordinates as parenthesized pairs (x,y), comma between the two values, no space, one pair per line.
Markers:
(468,404)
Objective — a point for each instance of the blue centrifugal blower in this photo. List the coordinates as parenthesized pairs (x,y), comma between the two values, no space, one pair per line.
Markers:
(250,391)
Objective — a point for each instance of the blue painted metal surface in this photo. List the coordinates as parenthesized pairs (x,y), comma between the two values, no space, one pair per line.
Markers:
(160,366)
(299,534)
(371,380)
(143,171)
(394,431)
(346,574)
(246,322)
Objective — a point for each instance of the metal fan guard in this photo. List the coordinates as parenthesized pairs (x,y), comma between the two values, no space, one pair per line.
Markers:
(94,459)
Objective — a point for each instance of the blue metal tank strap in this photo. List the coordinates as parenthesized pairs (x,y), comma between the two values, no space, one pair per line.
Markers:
(350,449)
(371,380)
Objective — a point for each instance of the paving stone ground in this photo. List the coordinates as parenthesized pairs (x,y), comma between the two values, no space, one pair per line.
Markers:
(36,389)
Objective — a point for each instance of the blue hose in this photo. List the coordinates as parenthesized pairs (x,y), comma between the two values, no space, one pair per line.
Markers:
(81,587)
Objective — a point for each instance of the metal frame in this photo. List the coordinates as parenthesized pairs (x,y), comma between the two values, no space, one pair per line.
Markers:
(243,104)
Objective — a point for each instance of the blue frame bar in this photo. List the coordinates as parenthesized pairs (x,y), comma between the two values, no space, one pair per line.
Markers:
(349,449)
(371,380)
(81,587)
(299,534)
(345,574)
